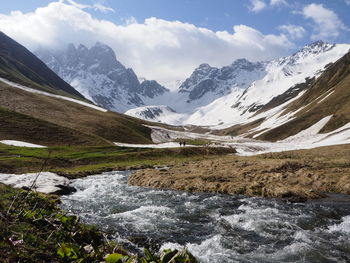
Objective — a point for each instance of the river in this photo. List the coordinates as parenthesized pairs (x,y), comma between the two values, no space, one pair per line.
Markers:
(215,228)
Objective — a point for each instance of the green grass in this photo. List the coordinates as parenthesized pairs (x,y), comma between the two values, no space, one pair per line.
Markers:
(32,228)
(76,161)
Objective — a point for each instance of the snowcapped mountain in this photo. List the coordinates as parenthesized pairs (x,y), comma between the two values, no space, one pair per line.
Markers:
(234,94)
(219,82)
(215,97)
(205,85)
(97,74)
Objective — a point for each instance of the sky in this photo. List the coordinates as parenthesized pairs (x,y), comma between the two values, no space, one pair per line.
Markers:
(167,39)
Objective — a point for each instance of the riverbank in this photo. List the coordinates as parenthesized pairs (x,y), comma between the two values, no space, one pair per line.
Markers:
(214,227)
(294,175)
(34,229)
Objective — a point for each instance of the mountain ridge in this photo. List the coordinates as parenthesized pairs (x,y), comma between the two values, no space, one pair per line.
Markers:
(32,108)
(285,77)
(20,65)
(97,74)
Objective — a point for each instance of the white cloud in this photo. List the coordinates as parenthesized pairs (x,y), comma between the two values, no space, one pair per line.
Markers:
(77,5)
(327,24)
(278,2)
(102,8)
(97,6)
(130,20)
(257,6)
(155,49)
(347,2)
(293,31)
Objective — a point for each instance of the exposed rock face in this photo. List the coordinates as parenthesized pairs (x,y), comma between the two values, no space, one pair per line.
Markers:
(99,76)
(206,79)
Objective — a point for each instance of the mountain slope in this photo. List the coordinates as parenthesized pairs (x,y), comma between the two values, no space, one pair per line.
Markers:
(21,127)
(70,116)
(37,106)
(100,77)
(206,79)
(19,65)
(328,96)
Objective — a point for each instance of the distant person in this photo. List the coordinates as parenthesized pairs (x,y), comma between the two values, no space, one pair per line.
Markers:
(184,143)
(180,144)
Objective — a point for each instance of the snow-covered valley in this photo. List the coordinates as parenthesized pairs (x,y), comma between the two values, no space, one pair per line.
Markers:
(306,139)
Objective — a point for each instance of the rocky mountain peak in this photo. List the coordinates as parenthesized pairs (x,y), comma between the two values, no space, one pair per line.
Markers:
(204,66)
(317,47)
(99,76)
(219,81)
(151,88)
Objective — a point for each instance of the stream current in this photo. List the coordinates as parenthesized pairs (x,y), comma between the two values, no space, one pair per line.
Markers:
(215,228)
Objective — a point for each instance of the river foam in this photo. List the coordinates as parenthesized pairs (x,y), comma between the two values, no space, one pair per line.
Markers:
(215,228)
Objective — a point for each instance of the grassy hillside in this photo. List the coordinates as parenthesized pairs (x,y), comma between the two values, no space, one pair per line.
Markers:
(329,95)
(19,65)
(16,126)
(77,121)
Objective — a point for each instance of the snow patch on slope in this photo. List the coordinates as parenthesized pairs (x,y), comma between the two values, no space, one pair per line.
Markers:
(309,133)
(325,97)
(18,86)
(153,113)
(21,144)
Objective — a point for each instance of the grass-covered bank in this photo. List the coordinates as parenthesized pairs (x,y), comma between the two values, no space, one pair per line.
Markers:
(73,161)
(294,175)
(34,229)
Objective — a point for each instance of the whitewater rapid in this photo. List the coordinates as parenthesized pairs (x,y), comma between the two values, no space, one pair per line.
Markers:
(215,228)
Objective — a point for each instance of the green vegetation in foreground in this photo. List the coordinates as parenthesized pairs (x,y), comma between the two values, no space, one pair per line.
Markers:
(33,229)
(74,162)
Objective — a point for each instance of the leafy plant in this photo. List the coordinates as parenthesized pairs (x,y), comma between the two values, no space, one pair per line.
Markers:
(68,251)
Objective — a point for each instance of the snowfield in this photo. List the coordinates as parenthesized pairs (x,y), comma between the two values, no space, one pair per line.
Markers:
(21,144)
(306,139)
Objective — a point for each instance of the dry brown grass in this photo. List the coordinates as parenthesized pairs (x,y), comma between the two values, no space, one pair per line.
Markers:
(295,175)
